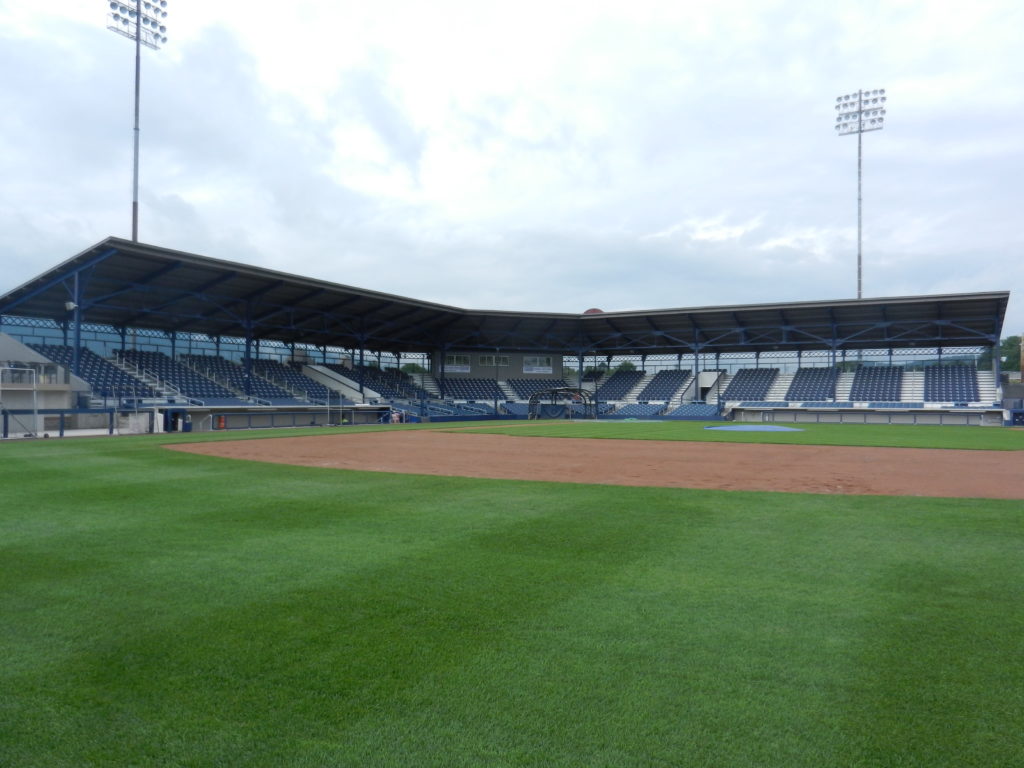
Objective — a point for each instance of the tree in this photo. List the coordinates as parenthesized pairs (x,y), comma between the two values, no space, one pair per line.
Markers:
(1009,348)
(413,369)
(625,366)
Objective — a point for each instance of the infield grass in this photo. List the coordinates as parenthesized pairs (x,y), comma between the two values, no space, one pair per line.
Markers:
(163,608)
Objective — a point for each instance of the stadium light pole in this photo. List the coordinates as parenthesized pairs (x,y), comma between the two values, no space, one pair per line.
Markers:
(143,22)
(859,113)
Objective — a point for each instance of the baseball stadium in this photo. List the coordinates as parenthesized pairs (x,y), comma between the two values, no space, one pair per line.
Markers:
(254,518)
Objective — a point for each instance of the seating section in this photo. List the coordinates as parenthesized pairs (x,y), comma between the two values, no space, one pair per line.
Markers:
(828,404)
(896,405)
(517,409)
(664,386)
(105,378)
(189,382)
(950,383)
(524,388)
(618,385)
(694,412)
(813,384)
(292,380)
(233,375)
(764,404)
(472,389)
(387,382)
(580,411)
(750,384)
(877,382)
(637,411)
(475,409)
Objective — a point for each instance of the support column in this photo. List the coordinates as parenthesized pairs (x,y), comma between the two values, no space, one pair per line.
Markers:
(76,355)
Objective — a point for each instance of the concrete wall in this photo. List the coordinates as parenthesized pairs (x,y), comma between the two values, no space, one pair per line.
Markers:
(514,370)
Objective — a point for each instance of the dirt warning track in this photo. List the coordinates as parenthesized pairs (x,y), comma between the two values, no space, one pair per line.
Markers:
(727,466)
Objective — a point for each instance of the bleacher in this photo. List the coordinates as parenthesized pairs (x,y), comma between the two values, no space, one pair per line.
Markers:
(694,412)
(618,385)
(813,384)
(472,389)
(517,409)
(637,411)
(289,378)
(664,386)
(475,409)
(221,369)
(187,381)
(950,383)
(105,378)
(880,383)
(750,384)
(580,411)
(390,383)
(525,388)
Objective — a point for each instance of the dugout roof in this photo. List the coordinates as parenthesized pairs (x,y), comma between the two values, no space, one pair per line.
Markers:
(126,284)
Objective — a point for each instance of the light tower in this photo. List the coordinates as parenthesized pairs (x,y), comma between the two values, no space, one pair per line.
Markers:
(859,113)
(143,22)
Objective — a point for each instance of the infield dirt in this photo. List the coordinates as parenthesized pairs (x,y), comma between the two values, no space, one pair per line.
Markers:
(724,466)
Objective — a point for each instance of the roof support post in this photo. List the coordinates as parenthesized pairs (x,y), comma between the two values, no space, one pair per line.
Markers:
(76,300)
(362,370)
(247,362)
(497,350)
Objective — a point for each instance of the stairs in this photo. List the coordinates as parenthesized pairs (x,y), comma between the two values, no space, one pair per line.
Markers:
(779,387)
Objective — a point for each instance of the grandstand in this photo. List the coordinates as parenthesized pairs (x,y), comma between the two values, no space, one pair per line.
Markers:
(210,337)
(106,379)
(619,385)
(664,386)
(524,388)
(750,384)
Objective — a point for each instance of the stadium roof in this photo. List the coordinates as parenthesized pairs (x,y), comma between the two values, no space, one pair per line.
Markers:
(127,284)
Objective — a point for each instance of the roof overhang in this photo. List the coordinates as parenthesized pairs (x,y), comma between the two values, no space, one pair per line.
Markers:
(125,284)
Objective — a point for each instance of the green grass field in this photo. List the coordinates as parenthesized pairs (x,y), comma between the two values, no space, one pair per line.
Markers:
(161,608)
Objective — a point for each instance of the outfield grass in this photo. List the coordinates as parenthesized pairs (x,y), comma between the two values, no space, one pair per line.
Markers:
(873,435)
(162,608)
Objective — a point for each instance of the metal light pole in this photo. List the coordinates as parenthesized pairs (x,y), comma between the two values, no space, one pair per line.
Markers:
(142,22)
(859,113)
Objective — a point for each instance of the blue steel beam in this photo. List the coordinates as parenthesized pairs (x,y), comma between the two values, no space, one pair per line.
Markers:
(57,279)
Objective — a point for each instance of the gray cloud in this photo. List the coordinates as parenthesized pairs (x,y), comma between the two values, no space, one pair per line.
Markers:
(654,164)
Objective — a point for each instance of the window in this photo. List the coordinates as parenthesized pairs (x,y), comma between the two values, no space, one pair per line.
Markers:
(487,361)
(454,363)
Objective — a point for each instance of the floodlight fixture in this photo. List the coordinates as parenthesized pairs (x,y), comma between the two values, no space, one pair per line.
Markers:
(143,21)
(859,113)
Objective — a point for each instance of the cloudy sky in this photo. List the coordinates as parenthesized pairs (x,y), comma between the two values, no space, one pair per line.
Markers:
(530,156)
